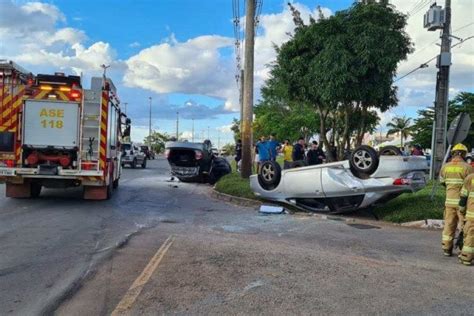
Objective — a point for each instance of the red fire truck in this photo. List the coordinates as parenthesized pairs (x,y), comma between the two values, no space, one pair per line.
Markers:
(56,134)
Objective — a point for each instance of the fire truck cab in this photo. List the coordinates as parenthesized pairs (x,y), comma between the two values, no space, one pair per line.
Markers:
(54,133)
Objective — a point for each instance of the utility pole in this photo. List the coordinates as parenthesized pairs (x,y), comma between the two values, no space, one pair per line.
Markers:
(193,129)
(149,124)
(218,139)
(241,98)
(208,133)
(247,113)
(442,94)
(177,125)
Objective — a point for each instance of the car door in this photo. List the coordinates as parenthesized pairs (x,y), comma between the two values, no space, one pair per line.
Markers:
(303,182)
(339,181)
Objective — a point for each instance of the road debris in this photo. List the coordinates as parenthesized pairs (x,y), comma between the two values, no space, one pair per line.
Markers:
(267,209)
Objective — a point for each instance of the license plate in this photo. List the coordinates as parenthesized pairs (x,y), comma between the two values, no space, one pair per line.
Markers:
(7,172)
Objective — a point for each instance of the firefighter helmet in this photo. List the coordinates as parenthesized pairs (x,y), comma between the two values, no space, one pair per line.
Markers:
(459,147)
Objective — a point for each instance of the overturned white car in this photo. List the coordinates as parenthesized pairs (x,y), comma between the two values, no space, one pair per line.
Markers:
(366,179)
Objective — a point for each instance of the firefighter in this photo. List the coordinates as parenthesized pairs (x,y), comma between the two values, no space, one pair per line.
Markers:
(466,207)
(452,176)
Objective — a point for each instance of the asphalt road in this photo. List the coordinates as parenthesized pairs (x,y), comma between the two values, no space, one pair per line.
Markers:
(187,253)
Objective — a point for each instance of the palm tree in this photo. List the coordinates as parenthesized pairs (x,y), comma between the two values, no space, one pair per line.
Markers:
(400,125)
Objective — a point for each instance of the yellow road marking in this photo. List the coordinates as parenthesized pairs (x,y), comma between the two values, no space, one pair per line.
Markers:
(124,306)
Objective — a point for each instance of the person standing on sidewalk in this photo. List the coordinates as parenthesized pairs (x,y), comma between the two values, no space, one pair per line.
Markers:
(299,153)
(273,146)
(452,176)
(315,155)
(466,207)
(287,151)
(261,147)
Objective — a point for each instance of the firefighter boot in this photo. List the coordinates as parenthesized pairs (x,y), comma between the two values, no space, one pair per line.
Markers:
(450,225)
(467,253)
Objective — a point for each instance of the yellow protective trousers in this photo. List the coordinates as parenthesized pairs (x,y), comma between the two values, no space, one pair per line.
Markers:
(452,217)
(467,253)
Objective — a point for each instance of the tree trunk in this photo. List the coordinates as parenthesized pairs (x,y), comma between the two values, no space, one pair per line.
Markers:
(322,133)
(361,131)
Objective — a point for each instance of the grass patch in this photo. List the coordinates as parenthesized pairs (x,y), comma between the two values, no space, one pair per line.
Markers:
(233,184)
(414,206)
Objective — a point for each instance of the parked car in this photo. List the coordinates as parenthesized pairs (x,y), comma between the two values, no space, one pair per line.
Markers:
(364,180)
(195,162)
(133,156)
(150,154)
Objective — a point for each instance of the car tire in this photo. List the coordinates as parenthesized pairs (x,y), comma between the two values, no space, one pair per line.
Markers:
(269,175)
(187,180)
(134,163)
(298,164)
(364,161)
(390,151)
(469,160)
(144,164)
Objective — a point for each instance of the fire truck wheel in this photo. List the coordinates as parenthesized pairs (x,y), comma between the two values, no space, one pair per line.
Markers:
(35,190)
(134,164)
(116,183)
(144,164)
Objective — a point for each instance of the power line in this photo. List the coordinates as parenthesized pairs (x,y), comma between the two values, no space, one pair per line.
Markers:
(425,64)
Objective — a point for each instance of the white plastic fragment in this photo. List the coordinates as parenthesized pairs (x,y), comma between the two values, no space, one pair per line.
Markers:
(267,209)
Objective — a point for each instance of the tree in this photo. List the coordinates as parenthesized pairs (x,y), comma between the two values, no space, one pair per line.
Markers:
(157,141)
(235,128)
(340,67)
(400,125)
(229,149)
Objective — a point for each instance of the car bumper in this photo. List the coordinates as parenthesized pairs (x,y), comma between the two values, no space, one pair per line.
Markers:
(185,172)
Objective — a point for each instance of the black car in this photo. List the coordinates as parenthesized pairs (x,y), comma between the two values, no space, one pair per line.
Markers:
(195,162)
(148,152)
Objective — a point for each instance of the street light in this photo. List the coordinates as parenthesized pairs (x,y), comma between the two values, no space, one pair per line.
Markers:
(193,129)
(177,125)
(125,106)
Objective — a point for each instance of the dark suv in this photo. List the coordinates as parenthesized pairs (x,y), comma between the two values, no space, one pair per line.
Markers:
(195,162)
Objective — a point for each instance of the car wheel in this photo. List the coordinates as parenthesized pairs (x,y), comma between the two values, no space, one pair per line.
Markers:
(134,164)
(144,164)
(469,160)
(364,161)
(269,175)
(390,151)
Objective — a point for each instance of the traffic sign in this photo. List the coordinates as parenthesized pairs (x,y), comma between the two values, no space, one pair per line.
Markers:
(459,129)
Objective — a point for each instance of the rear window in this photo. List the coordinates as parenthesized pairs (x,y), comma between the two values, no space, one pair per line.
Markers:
(126,146)
(7,140)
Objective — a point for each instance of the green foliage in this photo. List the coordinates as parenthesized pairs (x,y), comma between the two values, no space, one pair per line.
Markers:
(414,206)
(333,70)
(402,125)
(229,149)
(423,127)
(235,128)
(157,141)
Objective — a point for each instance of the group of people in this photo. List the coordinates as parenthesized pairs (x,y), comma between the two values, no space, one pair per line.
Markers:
(294,155)
(458,178)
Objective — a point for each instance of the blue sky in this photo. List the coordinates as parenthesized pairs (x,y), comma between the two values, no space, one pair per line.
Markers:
(181,53)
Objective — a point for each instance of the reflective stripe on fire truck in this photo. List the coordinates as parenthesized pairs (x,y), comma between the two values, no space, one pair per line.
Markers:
(103,130)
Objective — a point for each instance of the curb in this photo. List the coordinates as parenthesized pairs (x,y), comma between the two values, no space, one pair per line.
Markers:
(235,199)
(422,224)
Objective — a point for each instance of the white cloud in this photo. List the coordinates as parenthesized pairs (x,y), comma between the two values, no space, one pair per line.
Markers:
(30,35)
(134,44)
(418,89)
(194,67)
(225,129)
